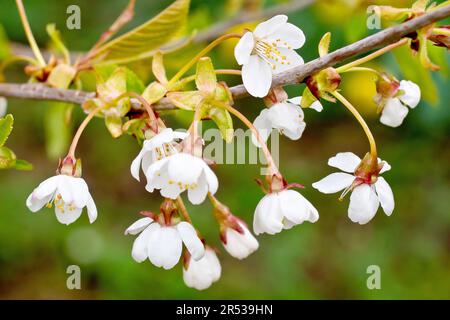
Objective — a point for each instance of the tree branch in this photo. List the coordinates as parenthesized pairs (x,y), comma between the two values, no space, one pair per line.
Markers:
(292,76)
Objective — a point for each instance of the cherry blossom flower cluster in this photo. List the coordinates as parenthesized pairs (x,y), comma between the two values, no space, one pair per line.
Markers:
(171,161)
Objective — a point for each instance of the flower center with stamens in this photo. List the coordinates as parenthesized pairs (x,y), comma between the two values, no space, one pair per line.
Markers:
(60,204)
(167,149)
(270,53)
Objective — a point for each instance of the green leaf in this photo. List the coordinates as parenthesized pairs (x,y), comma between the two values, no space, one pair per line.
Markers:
(23,165)
(114,125)
(61,76)
(7,158)
(223,120)
(154,92)
(55,36)
(133,82)
(6,126)
(148,36)
(57,130)
(187,100)
(205,78)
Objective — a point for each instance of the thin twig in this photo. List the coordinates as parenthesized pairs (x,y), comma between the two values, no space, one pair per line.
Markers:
(292,76)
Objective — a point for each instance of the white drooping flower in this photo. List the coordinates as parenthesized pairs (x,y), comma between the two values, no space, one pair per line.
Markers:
(201,274)
(287,117)
(367,192)
(396,109)
(282,210)
(163,244)
(68,194)
(239,243)
(266,51)
(3,106)
(154,149)
(180,172)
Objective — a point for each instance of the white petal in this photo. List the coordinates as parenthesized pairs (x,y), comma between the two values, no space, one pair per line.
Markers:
(385,195)
(257,77)
(244,48)
(46,187)
(296,100)
(386,166)
(293,59)
(66,215)
(191,240)
(140,245)
(290,36)
(411,96)
(139,225)
(136,164)
(363,204)
(288,118)
(197,193)
(211,179)
(91,209)
(263,124)
(268,27)
(268,217)
(184,168)
(80,192)
(334,182)
(201,274)
(316,105)
(293,206)
(240,245)
(346,161)
(164,248)
(65,188)
(171,191)
(393,113)
(35,204)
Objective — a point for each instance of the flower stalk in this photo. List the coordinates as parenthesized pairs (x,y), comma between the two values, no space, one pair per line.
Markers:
(362,122)
(199,55)
(26,25)
(372,56)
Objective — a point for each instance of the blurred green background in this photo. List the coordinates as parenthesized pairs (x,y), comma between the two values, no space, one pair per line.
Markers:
(324,260)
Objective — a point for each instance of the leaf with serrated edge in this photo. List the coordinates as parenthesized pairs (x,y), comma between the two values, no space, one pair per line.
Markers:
(6,126)
(148,36)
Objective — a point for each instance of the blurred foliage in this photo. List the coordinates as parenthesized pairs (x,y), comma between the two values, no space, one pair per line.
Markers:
(324,260)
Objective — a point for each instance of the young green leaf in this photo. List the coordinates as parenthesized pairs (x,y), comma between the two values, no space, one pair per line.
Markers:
(6,126)
(7,158)
(148,36)
(224,122)
(23,165)
(57,41)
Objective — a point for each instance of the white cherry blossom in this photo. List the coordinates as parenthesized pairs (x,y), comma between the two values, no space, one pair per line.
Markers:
(266,51)
(239,244)
(396,109)
(201,274)
(68,194)
(182,172)
(287,117)
(156,148)
(282,210)
(163,244)
(366,195)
